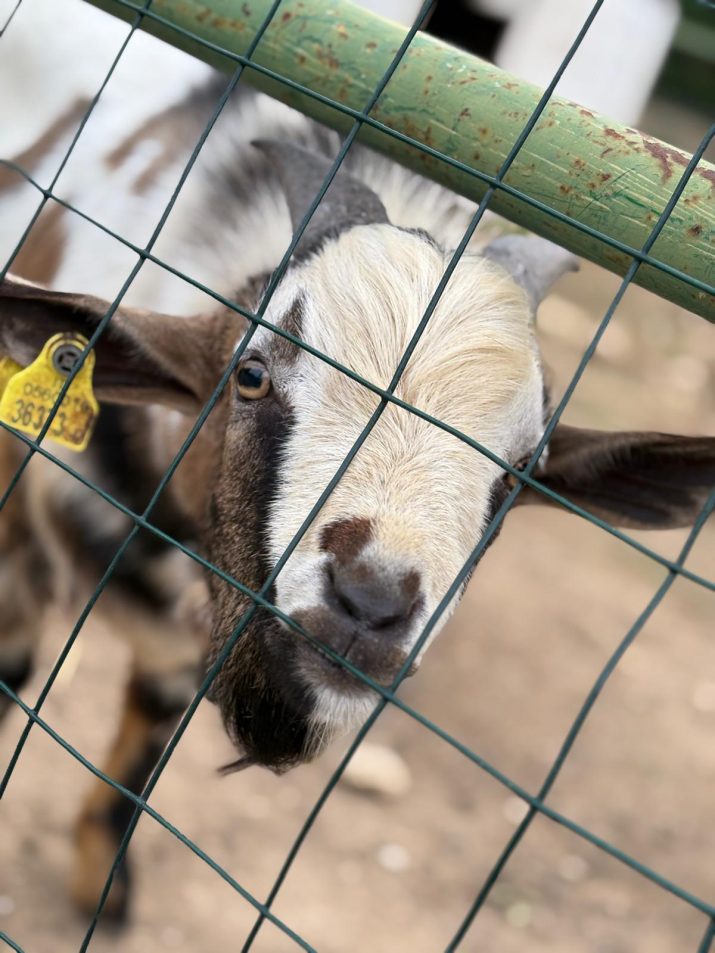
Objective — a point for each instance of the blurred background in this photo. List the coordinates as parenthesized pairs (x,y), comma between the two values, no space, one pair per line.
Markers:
(406,841)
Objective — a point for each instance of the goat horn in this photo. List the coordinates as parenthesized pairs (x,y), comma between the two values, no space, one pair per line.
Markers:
(535,264)
(301,173)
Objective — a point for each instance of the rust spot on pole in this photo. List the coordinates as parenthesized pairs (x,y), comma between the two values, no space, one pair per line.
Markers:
(665,156)
(327,56)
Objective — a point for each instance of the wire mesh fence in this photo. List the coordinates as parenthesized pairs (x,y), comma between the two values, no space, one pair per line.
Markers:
(536,802)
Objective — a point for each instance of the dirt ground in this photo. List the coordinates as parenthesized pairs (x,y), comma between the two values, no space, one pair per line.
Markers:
(546,608)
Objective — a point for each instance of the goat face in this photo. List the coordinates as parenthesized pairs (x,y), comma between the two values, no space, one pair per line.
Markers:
(377,559)
(386,545)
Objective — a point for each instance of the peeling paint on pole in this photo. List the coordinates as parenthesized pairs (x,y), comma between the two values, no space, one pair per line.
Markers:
(604,175)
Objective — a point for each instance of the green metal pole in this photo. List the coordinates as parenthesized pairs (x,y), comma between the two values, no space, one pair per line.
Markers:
(591,169)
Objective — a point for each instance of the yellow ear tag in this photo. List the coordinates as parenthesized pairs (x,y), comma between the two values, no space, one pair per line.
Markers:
(8,369)
(30,394)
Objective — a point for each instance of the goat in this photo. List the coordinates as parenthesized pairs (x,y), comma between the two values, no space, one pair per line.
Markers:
(408,511)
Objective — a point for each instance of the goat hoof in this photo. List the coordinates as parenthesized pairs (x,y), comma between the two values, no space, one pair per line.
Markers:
(14,674)
(86,889)
(97,850)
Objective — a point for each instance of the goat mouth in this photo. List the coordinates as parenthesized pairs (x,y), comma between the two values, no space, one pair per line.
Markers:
(367,654)
(322,671)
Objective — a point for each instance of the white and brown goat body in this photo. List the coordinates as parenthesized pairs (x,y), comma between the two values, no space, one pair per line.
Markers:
(379,556)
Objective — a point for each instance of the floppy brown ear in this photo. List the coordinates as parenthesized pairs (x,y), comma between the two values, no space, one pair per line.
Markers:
(142,357)
(636,480)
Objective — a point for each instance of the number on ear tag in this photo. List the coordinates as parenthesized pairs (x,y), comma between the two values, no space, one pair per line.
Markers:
(30,394)
(8,369)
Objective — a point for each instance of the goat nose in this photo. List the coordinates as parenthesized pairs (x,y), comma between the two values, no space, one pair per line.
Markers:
(376,601)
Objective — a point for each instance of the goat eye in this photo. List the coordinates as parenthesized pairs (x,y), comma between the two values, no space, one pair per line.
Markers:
(253,380)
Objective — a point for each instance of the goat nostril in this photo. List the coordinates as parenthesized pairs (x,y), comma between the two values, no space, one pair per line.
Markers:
(373,601)
(336,592)
(349,607)
(341,593)
(387,621)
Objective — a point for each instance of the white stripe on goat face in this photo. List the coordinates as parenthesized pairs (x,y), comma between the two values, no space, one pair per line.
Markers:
(426,494)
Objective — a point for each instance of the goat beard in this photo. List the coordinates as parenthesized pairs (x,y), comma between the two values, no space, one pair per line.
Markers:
(265,705)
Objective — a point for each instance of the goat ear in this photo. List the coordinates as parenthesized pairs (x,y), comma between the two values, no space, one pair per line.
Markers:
(141,358)
(301,173)
(534,263)
(636,480)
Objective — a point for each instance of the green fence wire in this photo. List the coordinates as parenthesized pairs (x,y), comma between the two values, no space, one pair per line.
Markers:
(674,568)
